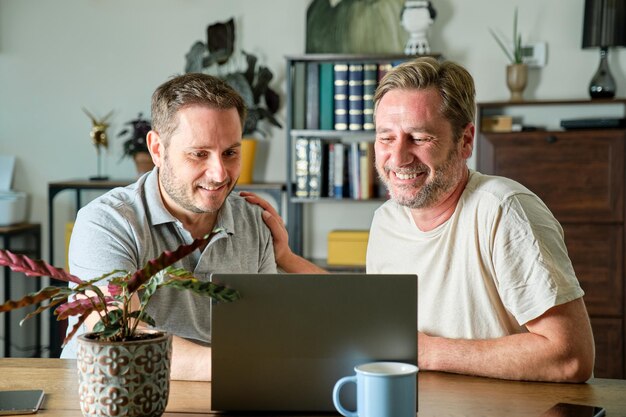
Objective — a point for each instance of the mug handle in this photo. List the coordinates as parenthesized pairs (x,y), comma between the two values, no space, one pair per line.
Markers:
(336,401)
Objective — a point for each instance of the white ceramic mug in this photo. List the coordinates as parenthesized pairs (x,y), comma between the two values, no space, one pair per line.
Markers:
(383,389)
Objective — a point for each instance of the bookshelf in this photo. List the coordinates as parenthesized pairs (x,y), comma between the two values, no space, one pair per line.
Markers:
(323,127)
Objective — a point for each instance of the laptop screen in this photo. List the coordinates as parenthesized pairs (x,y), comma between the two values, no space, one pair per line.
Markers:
(285,343)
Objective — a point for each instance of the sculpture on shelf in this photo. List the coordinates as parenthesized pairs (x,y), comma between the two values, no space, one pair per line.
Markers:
(354,26)
(417,16)
(99,138)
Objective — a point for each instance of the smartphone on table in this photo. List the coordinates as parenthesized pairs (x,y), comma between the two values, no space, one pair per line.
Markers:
(16,402)
(574,410)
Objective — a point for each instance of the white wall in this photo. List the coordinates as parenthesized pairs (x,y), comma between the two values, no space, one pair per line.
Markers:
(57,56)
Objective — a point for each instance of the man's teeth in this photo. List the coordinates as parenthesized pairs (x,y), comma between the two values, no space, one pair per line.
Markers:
(406,176)
(213,188)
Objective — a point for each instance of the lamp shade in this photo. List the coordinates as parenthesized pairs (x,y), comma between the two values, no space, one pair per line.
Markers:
(605,23)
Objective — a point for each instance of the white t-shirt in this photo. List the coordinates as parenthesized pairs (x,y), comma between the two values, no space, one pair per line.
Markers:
(497,263)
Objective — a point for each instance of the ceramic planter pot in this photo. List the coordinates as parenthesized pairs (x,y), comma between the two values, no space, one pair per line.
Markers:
(143,162)
(124,378)
(516,79)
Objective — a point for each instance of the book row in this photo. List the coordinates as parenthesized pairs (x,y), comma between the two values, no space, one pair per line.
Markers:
(336,95)
(338,170)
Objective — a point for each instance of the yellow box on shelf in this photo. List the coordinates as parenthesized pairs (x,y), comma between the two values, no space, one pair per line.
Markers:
(497,124)
(347,247)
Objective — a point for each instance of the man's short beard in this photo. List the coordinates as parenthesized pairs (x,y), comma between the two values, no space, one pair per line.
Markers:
(444,180)
(178,191)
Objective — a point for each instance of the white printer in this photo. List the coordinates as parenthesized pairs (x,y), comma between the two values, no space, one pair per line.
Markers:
(12,203)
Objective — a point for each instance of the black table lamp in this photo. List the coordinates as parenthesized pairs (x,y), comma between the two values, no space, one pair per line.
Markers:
(604,26)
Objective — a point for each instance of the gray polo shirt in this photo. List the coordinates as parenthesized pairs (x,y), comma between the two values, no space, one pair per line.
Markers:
(126,227)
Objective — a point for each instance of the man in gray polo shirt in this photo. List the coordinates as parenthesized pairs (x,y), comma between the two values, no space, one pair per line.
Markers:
(196,147)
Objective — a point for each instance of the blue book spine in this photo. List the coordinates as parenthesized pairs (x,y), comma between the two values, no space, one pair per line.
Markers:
(330,166)
(340,95)
(338,176)
(355,96)
(355,171)
(370,80)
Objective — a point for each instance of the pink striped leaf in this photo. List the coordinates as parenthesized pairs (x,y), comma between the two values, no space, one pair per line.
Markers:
(34,268)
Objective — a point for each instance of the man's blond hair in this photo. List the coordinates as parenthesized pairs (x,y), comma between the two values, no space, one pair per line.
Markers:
(453,82)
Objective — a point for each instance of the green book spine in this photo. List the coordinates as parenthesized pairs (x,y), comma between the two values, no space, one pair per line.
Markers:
(299,95)
(312,96)
(326,99)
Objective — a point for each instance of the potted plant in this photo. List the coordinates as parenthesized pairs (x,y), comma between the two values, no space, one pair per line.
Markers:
(516,71)
(215,57)
(135,146)
(123,370)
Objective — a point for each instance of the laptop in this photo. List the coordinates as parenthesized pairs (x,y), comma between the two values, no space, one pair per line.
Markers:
(285,343)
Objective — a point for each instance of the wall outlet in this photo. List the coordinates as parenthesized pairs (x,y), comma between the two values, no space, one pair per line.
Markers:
(535,55)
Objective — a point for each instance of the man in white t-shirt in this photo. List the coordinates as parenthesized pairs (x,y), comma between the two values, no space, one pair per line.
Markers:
(498,296)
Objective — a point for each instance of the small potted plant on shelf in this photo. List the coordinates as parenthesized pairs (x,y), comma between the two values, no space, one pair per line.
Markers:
(215,57)
(517,70)
(120,365)
(136,146)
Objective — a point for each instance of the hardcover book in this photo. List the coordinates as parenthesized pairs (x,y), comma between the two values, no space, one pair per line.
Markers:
(354,171)
(340,156)
(299,96)
(326,99)
(315,168)
(330,166)
(302,167)
(340,95)
(312,96)
(383,67)
(355,96)
(366,169)
(370,81)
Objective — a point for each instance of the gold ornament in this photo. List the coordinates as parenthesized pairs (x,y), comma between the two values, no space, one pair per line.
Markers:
(98,130)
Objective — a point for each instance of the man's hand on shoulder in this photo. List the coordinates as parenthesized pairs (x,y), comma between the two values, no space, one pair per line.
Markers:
(285,258)
(275,223)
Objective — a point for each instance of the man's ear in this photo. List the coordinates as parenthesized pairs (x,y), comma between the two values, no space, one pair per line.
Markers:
(467,141)
(155,147)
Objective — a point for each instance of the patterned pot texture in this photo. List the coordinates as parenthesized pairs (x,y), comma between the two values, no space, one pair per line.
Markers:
(124,378)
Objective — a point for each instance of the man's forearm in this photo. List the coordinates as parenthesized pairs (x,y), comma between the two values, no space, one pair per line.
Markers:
(190,361)
(558,347)
(298,265)
(517,357)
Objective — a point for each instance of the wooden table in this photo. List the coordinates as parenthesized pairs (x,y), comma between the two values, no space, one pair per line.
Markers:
(439,394)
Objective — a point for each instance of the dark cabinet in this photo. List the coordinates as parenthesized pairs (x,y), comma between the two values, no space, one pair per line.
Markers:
(580,176)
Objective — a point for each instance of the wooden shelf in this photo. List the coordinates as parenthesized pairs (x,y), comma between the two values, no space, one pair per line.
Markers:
(551,102)
(356,57)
